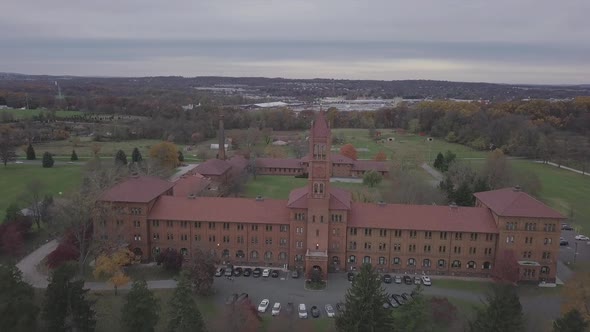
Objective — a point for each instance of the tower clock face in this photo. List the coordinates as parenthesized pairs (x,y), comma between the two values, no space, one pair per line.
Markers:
(319,171)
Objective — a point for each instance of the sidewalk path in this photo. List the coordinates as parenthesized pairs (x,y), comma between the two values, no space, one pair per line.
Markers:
(562,167)
(28,265)
(438,177)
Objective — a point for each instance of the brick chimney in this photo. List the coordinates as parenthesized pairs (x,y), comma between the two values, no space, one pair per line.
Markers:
(221,152)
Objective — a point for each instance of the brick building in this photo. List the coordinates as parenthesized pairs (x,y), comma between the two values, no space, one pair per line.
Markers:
(321,227)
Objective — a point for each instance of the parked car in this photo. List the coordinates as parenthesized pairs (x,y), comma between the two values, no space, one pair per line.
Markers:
(243,297)
(563,242)
(398,298)
(302,312)
(274,273)
(276,309)
(392,302)
(407,297)
(340,307)
(266,273)
(566,227)
(263,305)
(238,271)
(219,272)
(315,312)
(295,274)
(330,311)
(228,272)
(407,280)
(231,299)
(247,272)
(398,279)
(350,276)
(426,281)
(581,237)
(387,279)
(257,272)
(417,281)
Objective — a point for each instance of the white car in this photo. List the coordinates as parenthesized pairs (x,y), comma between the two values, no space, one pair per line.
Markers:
(266,273)
(263,305)
(18,162)
(276,309)
(302,311)
(426,281)
(330,311)
(582,237)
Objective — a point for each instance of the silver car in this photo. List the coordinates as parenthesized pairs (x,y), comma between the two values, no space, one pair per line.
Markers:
(330,311)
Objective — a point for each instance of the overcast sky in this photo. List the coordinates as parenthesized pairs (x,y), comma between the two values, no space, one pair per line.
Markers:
(511,41)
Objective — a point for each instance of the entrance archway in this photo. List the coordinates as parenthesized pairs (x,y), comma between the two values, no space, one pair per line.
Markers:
(138,252)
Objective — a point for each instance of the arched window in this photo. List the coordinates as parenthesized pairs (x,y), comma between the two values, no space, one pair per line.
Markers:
(471,265)
(487,265)
(411,262)
(381,260)
(396,260)
(240,254)
(298,258)
(545,270)
(352,259)
(183,251)
(283,255)
(268,255)
(426,263)
(254,254)
(335,260)
(456,264)
(441,263)
(156,250)
(225,253)
(367,259)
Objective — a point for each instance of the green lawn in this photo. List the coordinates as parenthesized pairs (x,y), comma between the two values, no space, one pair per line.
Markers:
(24,114)
(464,285)
(13,179)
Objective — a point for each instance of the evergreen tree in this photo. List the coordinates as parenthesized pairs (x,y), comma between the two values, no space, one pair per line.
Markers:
(364,305)
(503,311)
(66,307)
(47,160)
(446,186)
(414,316)
(180,156)
(120,158)
(572,321)
(136,156)
(449,159)
(31,153)
(18,311)
(184,314)
(140,312)
(74,156)
(464,195)
(481,184)
(12,212)
(372,178)
(439,161)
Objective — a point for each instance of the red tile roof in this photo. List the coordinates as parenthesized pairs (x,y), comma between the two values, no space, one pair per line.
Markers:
(422,217)
(213,167)
(334,158)
(340,199)
(278,163)
(141,189)
(366,165)
(190,184)
(226,209)
(509,202)
(320,127)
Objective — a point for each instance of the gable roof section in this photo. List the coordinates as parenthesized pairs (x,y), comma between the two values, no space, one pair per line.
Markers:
(422,217)
(278,162)
(509,202)
(319,128)
(213,167)
(367,165)
(142,189)
(334,158)
(190,184)
(226,209)
(340,199)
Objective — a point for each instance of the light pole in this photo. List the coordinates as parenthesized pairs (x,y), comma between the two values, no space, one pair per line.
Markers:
(575,251)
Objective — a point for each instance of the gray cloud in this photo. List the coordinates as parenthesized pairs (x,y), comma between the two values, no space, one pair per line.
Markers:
(502,41)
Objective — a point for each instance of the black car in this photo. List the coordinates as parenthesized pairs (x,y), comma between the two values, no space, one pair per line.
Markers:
(407,297)
(274,273)
(398,298)
(340,306)
(243,297)
(247,272)
(257,272)
(238,271)
(407,280)
(315,312)
(563,243)
(566,227)
(392,302)
(231,299)
(387,279)
(350,276)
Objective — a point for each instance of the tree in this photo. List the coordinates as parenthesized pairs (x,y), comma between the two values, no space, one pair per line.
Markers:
(64,253)
(141,310)
(576,295)
(372,178)
(442,311)
(165,153)
(497,171)
(136,156)
(439,162)
(18,311)
(414,315)
(450,157)
(120,158)
(31,153)
(180,156)
(66,307)
(111,267)
(11,239)
(201,270)
(184,313)
(481,184)
(380,156)
(273,151)
(12,212)
(96,147)
(349,151)
(7,151)
(464,195)
(364,304)
(571,321)
(502,311)
(171,259)
(32,196)
(241,316)
(47,160)
(74,156)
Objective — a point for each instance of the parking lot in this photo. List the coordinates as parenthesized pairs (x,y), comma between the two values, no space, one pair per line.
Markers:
(576,251)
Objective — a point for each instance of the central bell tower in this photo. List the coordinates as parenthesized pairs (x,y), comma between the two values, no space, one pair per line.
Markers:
(318,198)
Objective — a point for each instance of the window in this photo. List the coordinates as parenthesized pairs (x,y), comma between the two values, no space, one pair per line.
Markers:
(489,237)
(299,230)
(382,246)
(383,232)
(170,236)
(335,245)
(411,262)
(530,226)
(226,226)
(352,231)
(322,219)
(368,245)
(120,222)
(300,216)
(413,234)
(546,255)
(397,233)
(412,248)
(198,237)
(226,239)
(547,240)
(240,254)
(441,263)
(156,236)
(268,228)
(457,250)
(397,247)
(211,225)
(240,239)
(312,218)
(137,237)
(211,238)
(381,260)
(443,235)
(184,224)
(268,255)
(268,241)
(183,237)
(511,226)
(442,249)
(299,244)
(526,254)
(427,248)
(317,232)
(254,227)
(136,223)
(510,239)
(471,265)
(426,262)
(528,240)
(254,240)
(368,232)
(472,250)
(197,224)
(458,236)
(284,228)
(298,258)
(254,254)
(473,236)
(135,210)
(240,227)
(428,235)
(367,259)
(283,256)
(456,264)
(544,269)
(549,227)
(283,242)
(352,259)
(169,224)
(352,245)
(488,251)
(396,260)
(336,217)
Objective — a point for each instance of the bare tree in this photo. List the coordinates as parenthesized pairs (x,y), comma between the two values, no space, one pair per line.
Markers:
(33,198)
(7,150)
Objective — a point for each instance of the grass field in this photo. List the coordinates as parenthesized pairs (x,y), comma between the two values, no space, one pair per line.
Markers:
(13,179)
(24,114)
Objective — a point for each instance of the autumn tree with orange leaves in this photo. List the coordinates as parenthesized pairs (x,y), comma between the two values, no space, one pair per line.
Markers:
(349,151)
(380,156)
